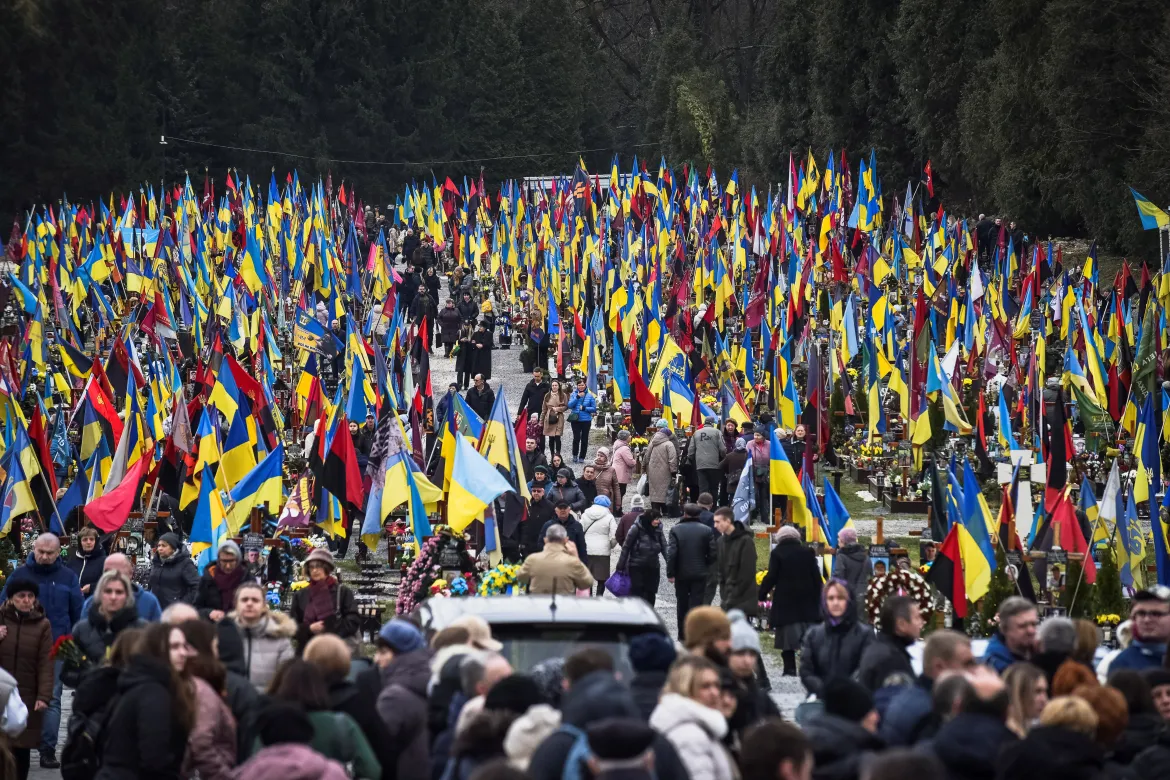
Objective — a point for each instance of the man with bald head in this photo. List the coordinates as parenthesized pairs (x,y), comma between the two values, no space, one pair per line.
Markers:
(59,593)
(145,601)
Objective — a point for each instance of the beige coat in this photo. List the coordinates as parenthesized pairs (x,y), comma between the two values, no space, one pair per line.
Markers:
(554,570)
(557,406)
(661,461)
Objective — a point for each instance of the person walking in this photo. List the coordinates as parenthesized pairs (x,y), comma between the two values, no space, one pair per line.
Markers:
(113,611)
(555,569)
(706,450)
(600,529)
(217,586)
(732,464)
(605,479)
(737,564)
(851,564)
(267,634)
(326,606)
(464,360)
(59,594)
(146,735)
(661,462)
(553,409)
(582,406)
(645,543)
(86,560)
(886,661)
(563,517)
(532,399)
(450,322)
(637,507)
(691,552)
(833,647)
(173,576)
(688,715)
(566,489)
(480,397)
(795,579)
(623,462)
(481,351)
(25,642)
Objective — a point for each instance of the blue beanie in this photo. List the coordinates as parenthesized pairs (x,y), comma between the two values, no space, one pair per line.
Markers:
(401,636)
(651,652)
(602,501)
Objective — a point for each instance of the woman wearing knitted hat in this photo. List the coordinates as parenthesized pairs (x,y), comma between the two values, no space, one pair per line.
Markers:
(25,641)
(326,606)
(402,654)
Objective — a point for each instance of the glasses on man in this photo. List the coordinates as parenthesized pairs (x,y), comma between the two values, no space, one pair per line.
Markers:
(1150,614)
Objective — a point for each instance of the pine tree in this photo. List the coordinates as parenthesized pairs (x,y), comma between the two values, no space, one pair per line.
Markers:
(1110,600)
(1075,587)
(1000,588)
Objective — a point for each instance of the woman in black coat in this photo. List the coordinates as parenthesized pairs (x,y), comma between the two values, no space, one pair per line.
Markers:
(481,351)
(146,734)
(833,648)
(465,361)
(111,612)
(795,578)
(87,560)
(645,544)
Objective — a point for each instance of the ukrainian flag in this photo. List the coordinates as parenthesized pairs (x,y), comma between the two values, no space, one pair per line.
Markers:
(475,484)
(784,482)
(262,486)
(210,526)
(1153,218)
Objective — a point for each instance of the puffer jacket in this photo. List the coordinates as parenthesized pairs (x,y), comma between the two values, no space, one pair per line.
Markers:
(58,593)
(267,645)
(623,461)
(290,761)
(600,530)
(644,543)
(852,566)
(567,492)
(584,405)
(95,634)
(24,654)
(885,658)
(696,733)
(691,550)
(833,650)
(606,482)
(144,739)
(211,750)
(174,579)
(839,747)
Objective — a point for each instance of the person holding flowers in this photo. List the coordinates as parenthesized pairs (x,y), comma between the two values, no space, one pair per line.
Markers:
(111,612)
(25,644)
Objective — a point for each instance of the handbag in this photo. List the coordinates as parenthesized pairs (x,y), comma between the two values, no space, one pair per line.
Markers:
(573,417)
(553,418)
(618,584)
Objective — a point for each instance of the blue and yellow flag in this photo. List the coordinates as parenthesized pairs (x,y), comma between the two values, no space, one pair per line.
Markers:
(475,484)
(1153,218)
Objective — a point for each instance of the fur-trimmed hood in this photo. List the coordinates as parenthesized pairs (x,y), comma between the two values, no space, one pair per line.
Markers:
(441,657)
(275,625)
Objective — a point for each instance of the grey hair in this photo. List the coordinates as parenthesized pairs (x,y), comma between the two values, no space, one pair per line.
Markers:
(472,669)
(1012,607)
(179,612)
(47,538)
(1057,635)
(556,533)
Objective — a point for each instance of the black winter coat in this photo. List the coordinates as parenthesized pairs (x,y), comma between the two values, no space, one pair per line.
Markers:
(642,548)
(568,492)
(795,578)
(1153,763)
(839,747)
(576,535)
(970,745)
(532,400)
(481,401)
(646,688)
(95,635)
(885,657)
(539,513)
(737,571)
(691,551)
(833,650)
(175,579)
(88,569)
(143,738)
(449,323)
(1145,729)
(1052,751)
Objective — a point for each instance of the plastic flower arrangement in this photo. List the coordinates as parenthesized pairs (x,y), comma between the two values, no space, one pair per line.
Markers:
(500,580)
(440,588)
(638,441)
(760,577)
(317,541)
(415,580)
(1108,620)
(298,585)
(459,586)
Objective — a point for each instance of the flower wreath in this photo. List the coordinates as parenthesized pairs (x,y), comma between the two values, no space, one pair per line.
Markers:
(896,582)
(499,580)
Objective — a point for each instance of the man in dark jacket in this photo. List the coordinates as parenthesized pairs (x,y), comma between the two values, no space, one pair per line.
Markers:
(60,596)
(690,552)
(532,458)
(566,489)
(562,516)
(909,716)
(467,308)
(532,400)
(595,697)
(971,743)
(480,397)
(737,564)
(401,652)
(886,661)
(540,513)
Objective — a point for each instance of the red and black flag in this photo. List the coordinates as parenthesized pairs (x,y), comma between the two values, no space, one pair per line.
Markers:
(336,468)
(946,573)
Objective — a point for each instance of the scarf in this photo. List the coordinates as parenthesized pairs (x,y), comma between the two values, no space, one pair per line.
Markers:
(321,603)
(226,583)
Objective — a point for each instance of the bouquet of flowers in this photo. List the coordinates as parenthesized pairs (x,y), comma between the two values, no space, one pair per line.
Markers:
(1108,620)
(500,580)
(67,650)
